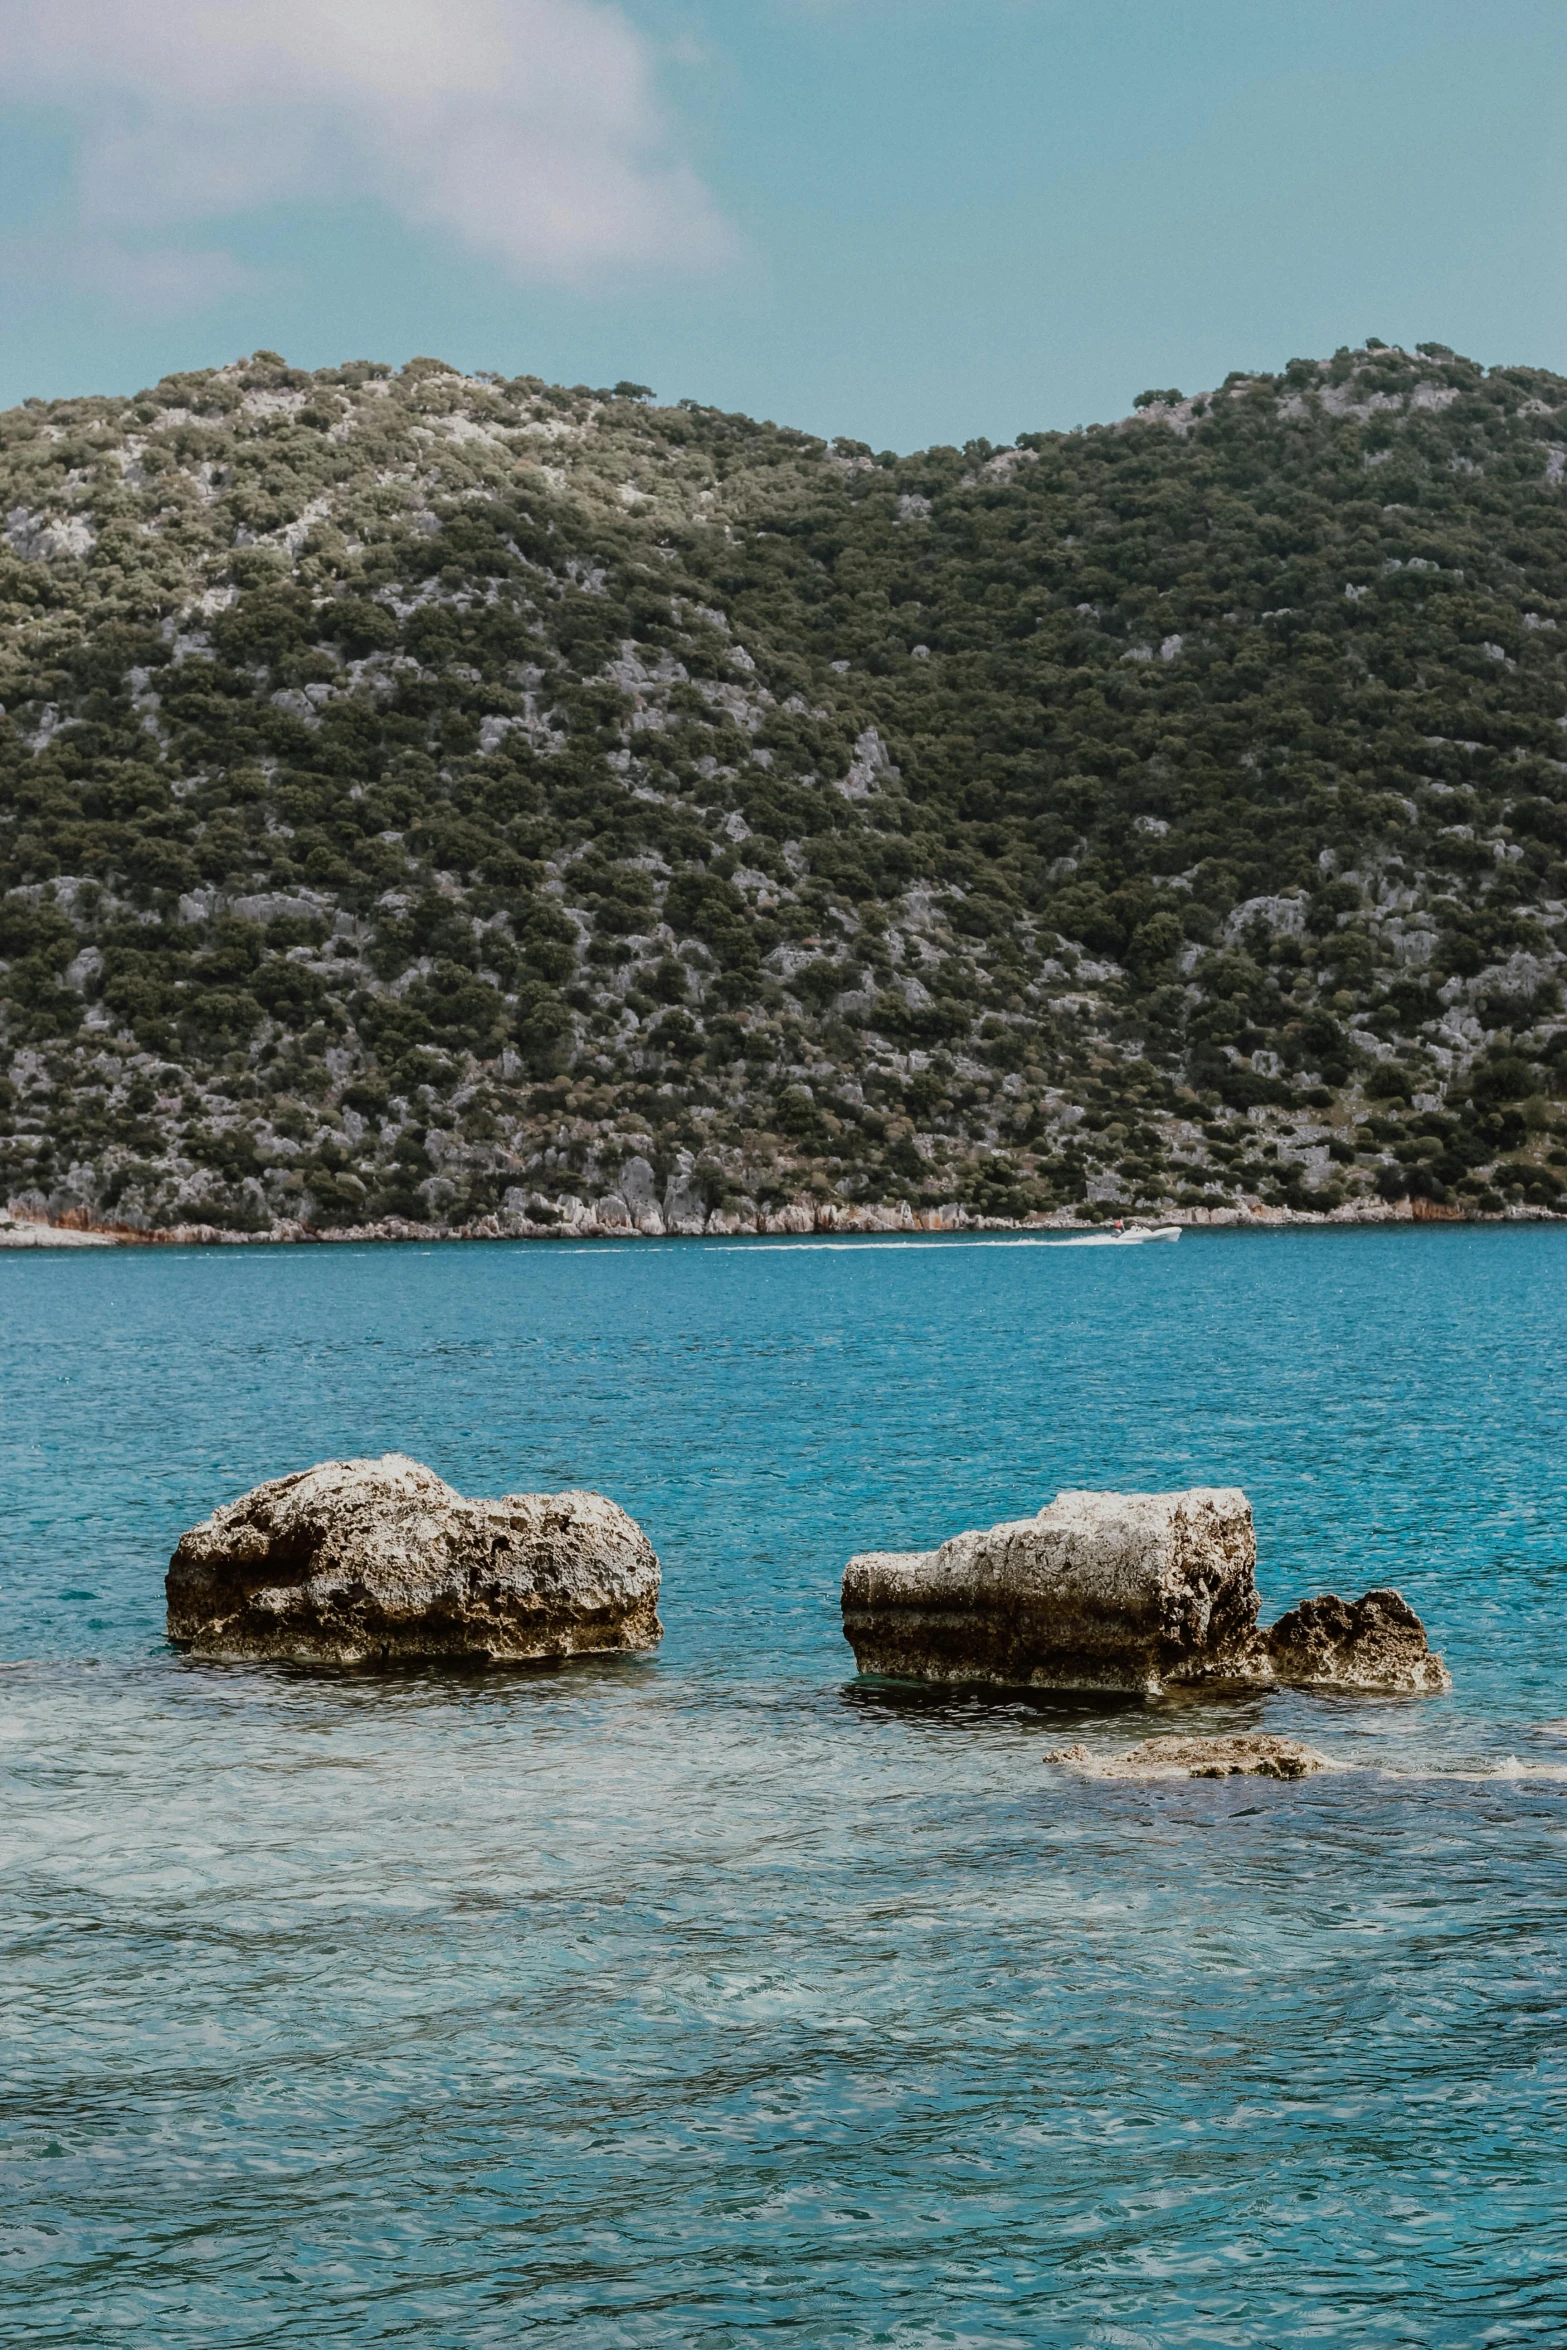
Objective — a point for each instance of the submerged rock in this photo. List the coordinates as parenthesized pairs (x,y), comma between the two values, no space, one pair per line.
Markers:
(1252,1754)
(1120,1591)
(1113,1591)
(380,1561)
(1377,1642)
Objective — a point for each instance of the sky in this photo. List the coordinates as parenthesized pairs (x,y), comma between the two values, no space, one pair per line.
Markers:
(903,221)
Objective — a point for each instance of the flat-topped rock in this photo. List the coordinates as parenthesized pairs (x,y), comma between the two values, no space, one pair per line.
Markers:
(1251,1754)
(1374,1643)
(1111,1591)
(1125,1592)
(381,1561)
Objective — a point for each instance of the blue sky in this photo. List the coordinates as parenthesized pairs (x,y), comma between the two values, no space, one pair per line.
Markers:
(902,220)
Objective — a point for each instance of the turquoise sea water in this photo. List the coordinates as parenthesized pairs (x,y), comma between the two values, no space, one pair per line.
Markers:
(717,1995)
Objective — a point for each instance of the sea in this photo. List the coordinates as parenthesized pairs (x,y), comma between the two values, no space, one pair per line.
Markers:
(717,1995)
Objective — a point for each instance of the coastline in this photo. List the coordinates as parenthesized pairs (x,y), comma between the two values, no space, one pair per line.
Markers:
(803,1218)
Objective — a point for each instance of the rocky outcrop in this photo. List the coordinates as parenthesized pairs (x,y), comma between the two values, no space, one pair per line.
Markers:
(1111,1591)
(523,1216)
(38,1222)
(1253,1755)
(1377,1642)
(357,1562)
(23,1232)
(1120,1592)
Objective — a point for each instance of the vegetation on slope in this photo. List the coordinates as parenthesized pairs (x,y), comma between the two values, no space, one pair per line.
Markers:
(431,795)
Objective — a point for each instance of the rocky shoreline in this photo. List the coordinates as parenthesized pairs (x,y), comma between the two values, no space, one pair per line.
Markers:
(609,1219)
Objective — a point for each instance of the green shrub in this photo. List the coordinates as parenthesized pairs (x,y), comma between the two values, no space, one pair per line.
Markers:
(542,1029)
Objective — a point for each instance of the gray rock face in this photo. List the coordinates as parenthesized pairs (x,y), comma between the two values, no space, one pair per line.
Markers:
(1253,1754)
(1113,1591)
(1120,1591)
(356,1562)
(1377,1642)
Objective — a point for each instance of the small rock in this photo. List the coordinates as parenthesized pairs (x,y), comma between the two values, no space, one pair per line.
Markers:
(1377,1642)
(1251,1754)
(380,1561)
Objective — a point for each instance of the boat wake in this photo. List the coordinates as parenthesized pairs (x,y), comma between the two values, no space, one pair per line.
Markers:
(1132,1238)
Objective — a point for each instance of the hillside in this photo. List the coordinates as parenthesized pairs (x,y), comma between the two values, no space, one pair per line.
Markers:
(440,797)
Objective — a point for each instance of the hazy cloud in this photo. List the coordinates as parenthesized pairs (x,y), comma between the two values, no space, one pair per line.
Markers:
(529,130)
(151,281)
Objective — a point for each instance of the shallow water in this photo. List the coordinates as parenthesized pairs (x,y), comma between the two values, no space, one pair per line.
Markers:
(714,1995)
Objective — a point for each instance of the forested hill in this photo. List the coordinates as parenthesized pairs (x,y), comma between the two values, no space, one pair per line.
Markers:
(434,796)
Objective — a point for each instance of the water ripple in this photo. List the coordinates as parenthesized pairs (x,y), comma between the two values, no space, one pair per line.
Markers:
(683,2000)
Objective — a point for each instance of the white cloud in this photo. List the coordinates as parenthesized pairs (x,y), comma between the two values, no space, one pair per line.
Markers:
(528,130)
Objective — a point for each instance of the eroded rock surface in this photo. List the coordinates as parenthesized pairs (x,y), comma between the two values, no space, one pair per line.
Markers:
(1112,1591)
(1252,1754)
(1377,1642)
(1121,1591)
(381,1561)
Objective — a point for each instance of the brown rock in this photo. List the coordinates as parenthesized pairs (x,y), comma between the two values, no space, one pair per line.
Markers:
(1377,1642)
(1115,1591)
(381,1562)
(1120,1591)
(1252,1754)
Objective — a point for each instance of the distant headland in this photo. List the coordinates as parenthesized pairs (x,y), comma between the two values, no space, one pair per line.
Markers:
(438,805)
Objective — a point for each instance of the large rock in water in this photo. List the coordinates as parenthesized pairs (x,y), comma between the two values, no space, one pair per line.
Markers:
(381,1562)
(1120,1591)
(1113,1591)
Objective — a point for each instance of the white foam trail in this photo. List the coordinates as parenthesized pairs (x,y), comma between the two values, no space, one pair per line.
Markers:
(795,1248)
(862,1247)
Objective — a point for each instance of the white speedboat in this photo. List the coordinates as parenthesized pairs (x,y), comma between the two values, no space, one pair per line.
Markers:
(1122,1236)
